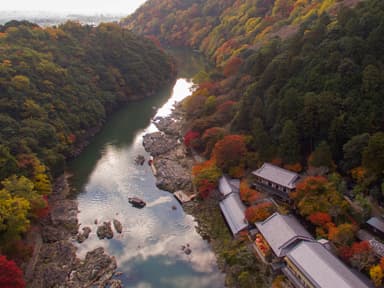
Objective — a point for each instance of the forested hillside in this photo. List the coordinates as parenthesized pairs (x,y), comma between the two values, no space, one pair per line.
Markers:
(295,77)
(57,86)
(224,28)
(297,83)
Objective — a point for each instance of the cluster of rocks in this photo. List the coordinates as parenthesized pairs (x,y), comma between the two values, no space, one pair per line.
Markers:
(82,236)
(172,166)
(54,262)
(169,125)
(186,249)
(105,230)
(159,143)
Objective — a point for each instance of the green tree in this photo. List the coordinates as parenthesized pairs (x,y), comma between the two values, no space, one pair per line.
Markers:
(373,154)
(353,151)
(289,143)
(8,164)
(321,156)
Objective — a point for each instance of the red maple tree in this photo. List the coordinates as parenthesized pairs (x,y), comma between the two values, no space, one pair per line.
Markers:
(10,275)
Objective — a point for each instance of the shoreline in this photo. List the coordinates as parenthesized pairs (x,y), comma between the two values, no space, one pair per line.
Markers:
(54,260)
(168,152)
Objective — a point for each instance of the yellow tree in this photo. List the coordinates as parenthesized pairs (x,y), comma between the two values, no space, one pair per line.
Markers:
(376,274)
(13,216)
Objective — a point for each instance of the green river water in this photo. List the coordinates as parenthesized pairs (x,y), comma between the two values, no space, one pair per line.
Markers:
(148,252)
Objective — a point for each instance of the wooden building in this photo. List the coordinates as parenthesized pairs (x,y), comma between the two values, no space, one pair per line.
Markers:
(275,180)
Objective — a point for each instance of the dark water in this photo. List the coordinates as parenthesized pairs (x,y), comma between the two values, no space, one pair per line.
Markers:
(148,251)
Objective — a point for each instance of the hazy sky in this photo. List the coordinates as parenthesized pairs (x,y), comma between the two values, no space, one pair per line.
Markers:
(73,6)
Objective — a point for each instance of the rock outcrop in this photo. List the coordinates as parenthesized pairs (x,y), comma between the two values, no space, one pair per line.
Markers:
(172,166)
(105,231)
(81,237)
(158,143)
(54,262)
(118,226)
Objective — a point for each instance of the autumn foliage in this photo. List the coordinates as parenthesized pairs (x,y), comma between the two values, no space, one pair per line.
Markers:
(232,66)
(343,234)
(259,212)
(190,137)
(10,275)
(376,274)
(320,218)
(359,254)
(229,151)
(316,194)
(206,175)
(247,194)
(210,138)
(294,167)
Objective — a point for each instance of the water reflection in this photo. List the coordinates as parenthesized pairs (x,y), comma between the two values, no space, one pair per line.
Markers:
(148,251)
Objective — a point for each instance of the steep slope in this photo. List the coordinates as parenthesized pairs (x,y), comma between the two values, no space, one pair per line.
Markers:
(57,86)
(319,87)
(226,27)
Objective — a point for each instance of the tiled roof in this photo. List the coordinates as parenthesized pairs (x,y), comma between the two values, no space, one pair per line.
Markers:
(224,186)
(281,231)
(233,210)
(322,268)
(376,223)
(277,175)
(227,186)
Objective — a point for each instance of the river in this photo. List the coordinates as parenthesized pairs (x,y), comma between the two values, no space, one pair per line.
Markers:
(148,252)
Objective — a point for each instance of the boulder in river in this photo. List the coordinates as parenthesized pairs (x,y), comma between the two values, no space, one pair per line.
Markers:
(105,231)
(81,237)
(118,226)
(139,160)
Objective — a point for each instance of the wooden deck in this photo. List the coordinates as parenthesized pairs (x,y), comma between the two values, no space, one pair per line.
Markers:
(182,197)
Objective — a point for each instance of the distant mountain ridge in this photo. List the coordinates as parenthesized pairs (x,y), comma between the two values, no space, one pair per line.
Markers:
(219,27)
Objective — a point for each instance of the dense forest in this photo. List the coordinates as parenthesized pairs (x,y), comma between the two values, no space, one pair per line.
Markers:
(297,83)
(57,86)
(295,77)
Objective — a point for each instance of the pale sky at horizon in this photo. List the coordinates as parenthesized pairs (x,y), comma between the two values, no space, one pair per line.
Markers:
(73,6)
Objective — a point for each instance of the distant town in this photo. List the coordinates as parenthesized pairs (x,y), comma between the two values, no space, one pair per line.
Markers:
(44,18)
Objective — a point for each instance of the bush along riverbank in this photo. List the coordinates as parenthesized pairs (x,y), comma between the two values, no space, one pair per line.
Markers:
(173,165)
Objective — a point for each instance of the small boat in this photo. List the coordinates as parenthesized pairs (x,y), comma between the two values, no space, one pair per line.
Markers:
(136,202)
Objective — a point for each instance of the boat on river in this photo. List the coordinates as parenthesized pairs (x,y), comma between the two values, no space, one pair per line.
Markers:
(136,202)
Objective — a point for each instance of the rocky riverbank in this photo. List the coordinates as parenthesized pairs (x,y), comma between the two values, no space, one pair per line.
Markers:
(54,262)
(173,172)
(172,164)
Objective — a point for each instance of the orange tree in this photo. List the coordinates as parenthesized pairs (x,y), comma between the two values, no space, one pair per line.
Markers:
(247,194)
(259,212)
(229,151)
(205,177)
(317,194)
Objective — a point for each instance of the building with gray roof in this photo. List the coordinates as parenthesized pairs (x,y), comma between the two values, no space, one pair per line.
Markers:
(309,264)
(228,186)
(282,232)
(278,180)
(376,225)
(233,210)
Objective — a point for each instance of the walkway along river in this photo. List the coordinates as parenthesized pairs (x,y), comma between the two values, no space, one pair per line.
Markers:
(149,251)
